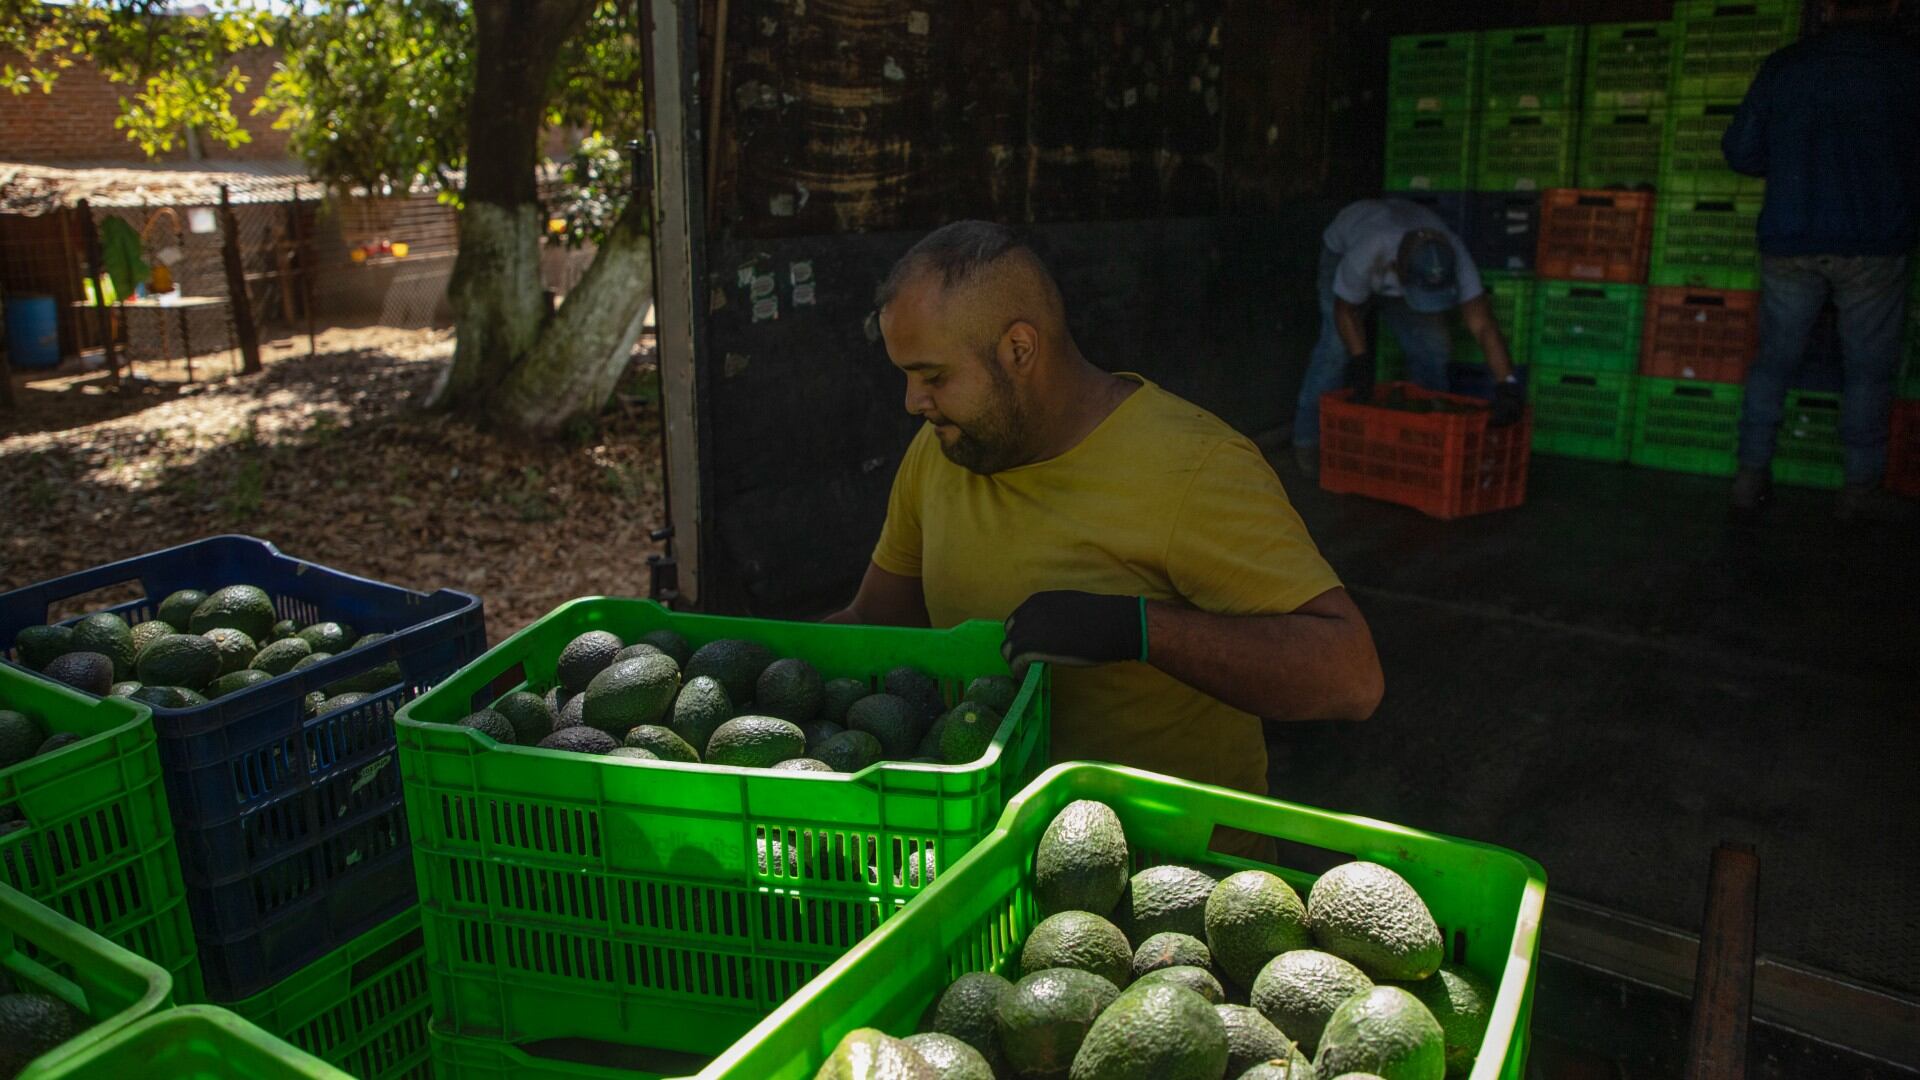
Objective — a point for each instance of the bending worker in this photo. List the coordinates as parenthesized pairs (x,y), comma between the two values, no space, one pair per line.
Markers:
(1401,260)
(1124,534)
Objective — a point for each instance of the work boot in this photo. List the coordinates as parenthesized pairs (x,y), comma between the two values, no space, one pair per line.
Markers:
(1752,491)
(1871,504)
(1307,460)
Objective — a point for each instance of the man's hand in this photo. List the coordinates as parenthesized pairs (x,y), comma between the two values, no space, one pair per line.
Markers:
(1509,402)
(1076,629)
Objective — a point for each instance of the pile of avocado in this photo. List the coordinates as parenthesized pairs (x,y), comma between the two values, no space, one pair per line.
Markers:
(22,737)
(197,647)
(733,702)
(32,1023)
(1172,974)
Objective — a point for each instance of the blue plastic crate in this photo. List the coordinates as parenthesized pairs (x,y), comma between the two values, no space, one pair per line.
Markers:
(1504,229)
(291,829)
(1451,207)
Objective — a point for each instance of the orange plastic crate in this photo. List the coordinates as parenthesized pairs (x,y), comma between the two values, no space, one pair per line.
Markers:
(1707,335)
(1903,450)
(1444,464)
(1595,235)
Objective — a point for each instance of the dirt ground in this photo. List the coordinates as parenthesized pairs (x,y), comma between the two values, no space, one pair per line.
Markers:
(332,458)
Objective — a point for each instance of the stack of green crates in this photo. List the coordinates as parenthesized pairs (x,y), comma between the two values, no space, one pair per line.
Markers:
(1722,44)
(1432,83)
(1586,345)
(1529,96)
(1624,107)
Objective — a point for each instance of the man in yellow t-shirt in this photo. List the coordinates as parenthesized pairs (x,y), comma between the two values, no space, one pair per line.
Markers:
(1125,535)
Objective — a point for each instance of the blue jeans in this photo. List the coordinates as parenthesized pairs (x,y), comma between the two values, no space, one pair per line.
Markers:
(1870,295)
(1424,338)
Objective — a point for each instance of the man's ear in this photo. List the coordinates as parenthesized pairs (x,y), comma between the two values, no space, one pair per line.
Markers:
(1019,348)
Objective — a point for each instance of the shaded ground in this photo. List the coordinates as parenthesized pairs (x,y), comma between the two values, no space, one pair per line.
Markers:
(332,459)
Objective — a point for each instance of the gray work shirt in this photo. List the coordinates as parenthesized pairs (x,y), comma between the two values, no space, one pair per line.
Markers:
(1367,236)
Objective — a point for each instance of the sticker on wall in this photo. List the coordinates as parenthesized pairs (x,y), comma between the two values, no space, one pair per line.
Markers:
(781,204)
(800,274)
(893,71)
(919,22)
(764,310)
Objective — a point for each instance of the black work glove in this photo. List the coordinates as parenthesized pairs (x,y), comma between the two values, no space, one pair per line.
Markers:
(1509,403)
(1076,629)
(1359,378)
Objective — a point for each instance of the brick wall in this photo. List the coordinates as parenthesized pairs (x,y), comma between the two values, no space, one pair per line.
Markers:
(75,121)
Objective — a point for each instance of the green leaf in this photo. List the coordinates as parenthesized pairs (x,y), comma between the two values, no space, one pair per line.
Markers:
(120,250)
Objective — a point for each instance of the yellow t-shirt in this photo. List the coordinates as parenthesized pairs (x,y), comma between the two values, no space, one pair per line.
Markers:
(1162,500)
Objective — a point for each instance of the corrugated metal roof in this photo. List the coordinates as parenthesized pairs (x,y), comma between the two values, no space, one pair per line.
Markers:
(39,188)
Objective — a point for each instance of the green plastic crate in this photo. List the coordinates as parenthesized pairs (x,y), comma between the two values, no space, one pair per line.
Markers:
(91,836)
(362,1007)
(1686,426)
(461,1057)
(1691,163)
(566,896)
(1525,151)
(1531,68)
(1707,241)
(1809,453)
(44,952)
(1588,326)
(197,1042)
(1722,44)
(1430,151)
(1628,65)
(1620,147)
(1488,902)
(1433,73)
(1509,293)
(1582,414)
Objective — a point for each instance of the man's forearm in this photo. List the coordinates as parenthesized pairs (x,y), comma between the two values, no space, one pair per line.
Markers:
(1353,333)
(1302,666)
(1494,345)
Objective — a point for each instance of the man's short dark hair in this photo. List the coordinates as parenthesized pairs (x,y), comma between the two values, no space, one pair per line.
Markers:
(955,253)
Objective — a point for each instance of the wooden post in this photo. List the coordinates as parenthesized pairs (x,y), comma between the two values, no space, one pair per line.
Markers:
(305,258)
(1723,979)
(90,239)
(237,288)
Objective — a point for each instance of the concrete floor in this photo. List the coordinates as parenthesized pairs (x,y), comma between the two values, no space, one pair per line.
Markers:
(1613,679)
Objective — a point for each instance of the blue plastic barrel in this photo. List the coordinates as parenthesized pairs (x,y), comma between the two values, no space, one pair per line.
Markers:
(33,331)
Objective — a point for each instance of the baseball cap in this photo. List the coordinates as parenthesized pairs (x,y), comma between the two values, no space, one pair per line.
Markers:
(1429,272)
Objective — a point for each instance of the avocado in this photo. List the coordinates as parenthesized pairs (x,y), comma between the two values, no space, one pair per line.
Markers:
(87,671)
(1163,898)
(755,742)
(631,692)
(791,690)
(890,719)
(169,697)
(734,663)
(282,630)
(343,701)
(849,751)
(967,731)
(1300,989)
(1045,1017)
(819,731)
(1171,950)
(279,657)
(328,637)
(372,680)
(1460,1000)
(188,660)
(57,741)
(38,646)
(237,650)
(241,607)
(178,608)
(491,724)
(642,649)
(670,643)
(838,695)
(529,715)
(996,692)
(1079,939)
(918,689)
(32,1024)
(146,633)
(950,1058)
(968,1010)
(633,753)
(312,702)
(662,742)
(20,736)
(1154,1032)
(580,739)
(1080,863)
(1252,1039)
(1197,979)
(110,636)
(1387,1032)
(868,1054)
(700,708)
(311,659)
(1252,917)
(1367,914)
(234,681)
(572,714)
(803,764)
(584,657)
(125,689)
(1292,1068)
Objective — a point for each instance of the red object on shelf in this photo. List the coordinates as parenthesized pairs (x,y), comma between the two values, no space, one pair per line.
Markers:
(1707,335)
(1444,464)
(1595,235)
(1903,450)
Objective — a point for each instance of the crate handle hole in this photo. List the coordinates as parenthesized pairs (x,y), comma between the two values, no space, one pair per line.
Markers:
(100,598)
(500,684)
(1288,853)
